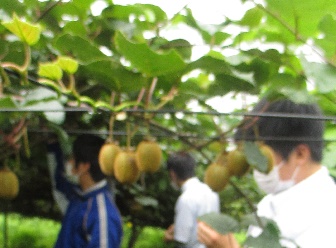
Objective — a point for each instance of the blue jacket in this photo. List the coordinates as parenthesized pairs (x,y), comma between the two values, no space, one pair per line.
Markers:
(92,218)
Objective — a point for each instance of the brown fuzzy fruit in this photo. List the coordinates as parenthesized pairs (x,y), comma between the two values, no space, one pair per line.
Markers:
(148,156)
(237,163)
(267,151)
(217,176)
(9,184)
(107,156)
(125,168)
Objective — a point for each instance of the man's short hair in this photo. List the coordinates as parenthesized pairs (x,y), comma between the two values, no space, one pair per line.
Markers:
(182,163)
(86,148)
(284,133)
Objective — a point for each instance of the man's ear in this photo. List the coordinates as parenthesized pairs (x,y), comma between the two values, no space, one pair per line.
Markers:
(303,153)
(83,167)
(172,175)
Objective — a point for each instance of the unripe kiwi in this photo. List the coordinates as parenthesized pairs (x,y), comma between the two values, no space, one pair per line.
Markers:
(217,176)
(125,168)
(237,163)
(148,156)
(9,184)
(268,152)
(107,155)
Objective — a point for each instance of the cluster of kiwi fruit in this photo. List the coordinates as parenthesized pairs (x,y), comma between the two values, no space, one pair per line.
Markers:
(233,163)
(126,164)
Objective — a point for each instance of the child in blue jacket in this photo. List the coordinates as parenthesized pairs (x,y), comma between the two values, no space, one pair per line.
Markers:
(91,218)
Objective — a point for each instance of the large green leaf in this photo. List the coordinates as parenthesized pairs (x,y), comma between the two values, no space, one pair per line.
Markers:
(302,16)
(322,75)
(149,12)
(7,117)
(39,94)
(328,27)
(226,83)
(146,60)
(254,156)
(268,238)
(52,110)
(222,223)
(11,6)
(113,76)
(327,42)
(27,32)
(81,49)
(252,17)
(210,65)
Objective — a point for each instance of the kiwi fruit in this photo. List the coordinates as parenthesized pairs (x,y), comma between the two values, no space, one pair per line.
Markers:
(148,156)
(107,156)
(125,168)
(217,176)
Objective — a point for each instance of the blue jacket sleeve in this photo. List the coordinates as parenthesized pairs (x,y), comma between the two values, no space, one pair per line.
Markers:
(57,171)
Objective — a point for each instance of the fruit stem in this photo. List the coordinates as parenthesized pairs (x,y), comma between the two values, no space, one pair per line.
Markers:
(142,180)
(249,202)
(150,92)
(128,142)
(112,118)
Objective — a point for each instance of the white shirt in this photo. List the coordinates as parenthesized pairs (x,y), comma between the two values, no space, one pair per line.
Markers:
(196,199)
(305,213)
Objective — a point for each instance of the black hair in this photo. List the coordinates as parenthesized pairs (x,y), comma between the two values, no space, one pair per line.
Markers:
(183,164)
(86,149)
(284,133)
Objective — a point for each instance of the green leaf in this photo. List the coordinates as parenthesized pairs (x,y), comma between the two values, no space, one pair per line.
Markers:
(6,117)
(251,220)
(181,46)
(13,6)
(252,17)
(268,238)
(39,94)
(148,61)
(114,76)
(150,13)
(323,75)
(226,83)
(67,64)
(222,223)
(55,114)
(147,201)
(254,156)
(328,27)
(82,49)
(329,155)
(50,70)
(210,65)
(301,16)
(26,31)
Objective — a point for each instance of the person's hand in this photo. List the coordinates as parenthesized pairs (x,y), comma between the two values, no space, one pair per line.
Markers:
(213,239)
(169,234)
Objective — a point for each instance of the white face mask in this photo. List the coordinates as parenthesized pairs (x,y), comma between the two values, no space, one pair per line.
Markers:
(271,182)
(71,177)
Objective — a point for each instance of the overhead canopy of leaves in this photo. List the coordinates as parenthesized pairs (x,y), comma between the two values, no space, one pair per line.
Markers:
(124,61)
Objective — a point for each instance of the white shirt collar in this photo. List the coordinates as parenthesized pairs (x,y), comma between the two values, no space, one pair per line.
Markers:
(189,183)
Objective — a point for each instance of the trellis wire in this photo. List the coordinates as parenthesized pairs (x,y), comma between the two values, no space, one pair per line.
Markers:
(173,111)
(191,136)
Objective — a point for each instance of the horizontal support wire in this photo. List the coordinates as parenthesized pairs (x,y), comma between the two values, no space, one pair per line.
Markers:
(172,111)
(191,136)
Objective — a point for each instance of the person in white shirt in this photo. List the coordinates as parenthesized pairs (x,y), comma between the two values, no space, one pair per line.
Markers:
(195,200)
(301,195)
